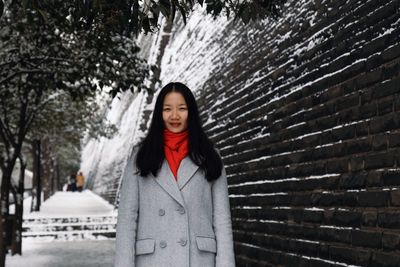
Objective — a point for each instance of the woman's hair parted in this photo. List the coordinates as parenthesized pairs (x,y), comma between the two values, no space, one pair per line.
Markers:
(150,155)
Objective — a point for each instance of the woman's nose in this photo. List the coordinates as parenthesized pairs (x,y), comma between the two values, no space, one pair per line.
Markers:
(175,114)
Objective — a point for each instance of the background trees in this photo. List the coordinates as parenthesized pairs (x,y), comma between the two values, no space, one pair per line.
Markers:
(133,16)
(50,76)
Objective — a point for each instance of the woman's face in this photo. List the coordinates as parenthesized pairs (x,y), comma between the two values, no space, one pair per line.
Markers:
(175,112)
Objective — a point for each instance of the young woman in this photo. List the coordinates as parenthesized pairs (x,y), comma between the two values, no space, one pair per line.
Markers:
(174,207)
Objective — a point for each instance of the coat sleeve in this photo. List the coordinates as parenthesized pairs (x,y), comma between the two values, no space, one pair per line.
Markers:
(127,218)
(222,222)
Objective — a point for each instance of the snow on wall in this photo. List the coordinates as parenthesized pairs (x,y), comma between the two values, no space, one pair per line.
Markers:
(305,112)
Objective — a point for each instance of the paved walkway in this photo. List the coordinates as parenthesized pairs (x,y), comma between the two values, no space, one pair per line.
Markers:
(64,254)
(72,204)
(43,249)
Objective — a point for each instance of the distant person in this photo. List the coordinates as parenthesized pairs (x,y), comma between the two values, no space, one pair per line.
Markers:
(80,181)
(72,183)
(174,205)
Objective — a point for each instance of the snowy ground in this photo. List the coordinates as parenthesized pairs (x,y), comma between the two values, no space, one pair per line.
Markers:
(66,204)
(64,254)
(53,253)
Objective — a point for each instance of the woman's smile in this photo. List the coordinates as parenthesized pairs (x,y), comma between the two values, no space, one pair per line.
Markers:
(175,124)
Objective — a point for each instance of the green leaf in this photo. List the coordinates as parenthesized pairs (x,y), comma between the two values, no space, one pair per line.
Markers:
(245,14)
(44,15)
(26,3)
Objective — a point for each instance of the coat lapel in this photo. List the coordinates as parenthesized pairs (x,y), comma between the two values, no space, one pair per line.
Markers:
(186,170)
(166,180)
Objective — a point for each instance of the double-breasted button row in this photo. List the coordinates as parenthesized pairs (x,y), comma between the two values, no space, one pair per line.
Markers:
(181,210)
(182,241)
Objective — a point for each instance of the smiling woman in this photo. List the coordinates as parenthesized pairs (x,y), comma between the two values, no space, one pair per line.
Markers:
(174,206)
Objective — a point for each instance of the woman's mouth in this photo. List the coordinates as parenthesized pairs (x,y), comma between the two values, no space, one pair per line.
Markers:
(175,125)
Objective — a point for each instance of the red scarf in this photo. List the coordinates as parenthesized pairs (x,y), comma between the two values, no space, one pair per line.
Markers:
(176,147)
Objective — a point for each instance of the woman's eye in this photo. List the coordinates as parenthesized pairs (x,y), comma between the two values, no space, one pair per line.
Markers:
(182,108)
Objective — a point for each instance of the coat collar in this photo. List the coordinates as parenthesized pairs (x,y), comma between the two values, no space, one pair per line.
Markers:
(166,179)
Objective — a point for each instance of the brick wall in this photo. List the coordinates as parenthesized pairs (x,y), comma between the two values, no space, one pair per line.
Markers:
(306,114)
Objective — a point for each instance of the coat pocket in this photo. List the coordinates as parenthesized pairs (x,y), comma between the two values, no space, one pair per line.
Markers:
(205,243)
(145,246)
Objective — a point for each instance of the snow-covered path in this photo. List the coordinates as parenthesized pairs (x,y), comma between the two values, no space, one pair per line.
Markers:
(67,204)
(84,253)
(71,229)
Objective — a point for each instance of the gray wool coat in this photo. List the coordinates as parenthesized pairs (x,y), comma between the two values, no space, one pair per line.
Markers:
(167,223)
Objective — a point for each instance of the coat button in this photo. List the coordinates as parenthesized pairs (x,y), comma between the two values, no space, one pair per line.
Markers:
(183,242)
(163,244)
(161,212)
(181,210)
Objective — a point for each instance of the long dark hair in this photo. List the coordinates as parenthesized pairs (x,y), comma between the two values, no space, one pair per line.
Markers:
(150,155)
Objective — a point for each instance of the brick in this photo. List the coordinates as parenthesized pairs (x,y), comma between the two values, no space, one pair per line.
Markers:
(379,160)
(356,164)
(391,53)
(376,45)
(380,142)
(389,219)
(365,97)
(369,218)
(369,78)
(353,180)
(366,238)
(335,235)
(391,177)
(394,139)
(362,128)
(289,260)
(347,218)
(373,62)
(359,145)
(331,93)
(385,259)
(390,240)
(348,101)
(337,165)
(344,254)
(352,70)
(313,216)
(348,115)
(395,198)
(382,124)
(349,199)
(373,199)
(390,71)
(386,106)
(374,179)
(368,110)
(397,102)
(344,132)
(386,88)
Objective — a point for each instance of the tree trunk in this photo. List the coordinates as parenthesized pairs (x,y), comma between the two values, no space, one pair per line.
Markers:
(16,245)
(4,211)
(36,181)
(59,186)
(47,168)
